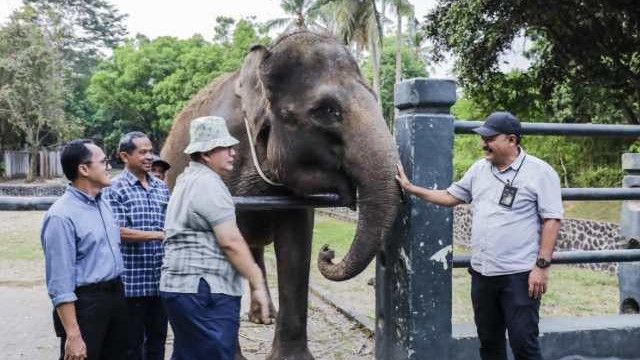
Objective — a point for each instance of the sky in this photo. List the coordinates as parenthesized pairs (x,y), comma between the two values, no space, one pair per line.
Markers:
(185,18)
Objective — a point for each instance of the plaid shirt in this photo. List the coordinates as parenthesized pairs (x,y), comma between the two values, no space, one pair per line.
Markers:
(140,209)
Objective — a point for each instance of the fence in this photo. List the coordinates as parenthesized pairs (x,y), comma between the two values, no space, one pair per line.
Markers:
(413,275)
(17,164)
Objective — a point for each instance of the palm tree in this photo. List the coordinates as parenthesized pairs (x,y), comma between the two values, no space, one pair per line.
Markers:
(303,14)
(417,39)
(401,8)
(359,23)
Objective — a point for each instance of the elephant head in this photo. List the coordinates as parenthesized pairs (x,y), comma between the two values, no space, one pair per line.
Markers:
(317,127)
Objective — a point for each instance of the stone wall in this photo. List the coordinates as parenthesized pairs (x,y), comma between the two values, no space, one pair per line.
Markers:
(31,190)
(575,234)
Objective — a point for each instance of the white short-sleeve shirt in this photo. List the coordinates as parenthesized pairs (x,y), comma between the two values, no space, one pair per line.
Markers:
(507,240)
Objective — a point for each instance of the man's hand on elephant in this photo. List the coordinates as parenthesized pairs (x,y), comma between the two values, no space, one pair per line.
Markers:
(259,312)
(402,179)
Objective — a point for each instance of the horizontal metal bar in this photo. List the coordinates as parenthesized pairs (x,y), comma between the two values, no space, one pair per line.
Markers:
(24,203)
(601,193)
(287,202)
(575,257)
(243,203)
(560,129)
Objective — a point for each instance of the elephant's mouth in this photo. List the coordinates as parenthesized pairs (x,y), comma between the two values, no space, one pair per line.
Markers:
(318,183)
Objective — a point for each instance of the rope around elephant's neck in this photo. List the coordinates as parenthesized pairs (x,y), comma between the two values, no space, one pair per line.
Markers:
(254,157)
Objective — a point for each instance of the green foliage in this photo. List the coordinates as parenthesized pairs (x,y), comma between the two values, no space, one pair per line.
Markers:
(82,30)
(32,90)
(584,69)
(146,83)
(412,66)
(580,162)
(604,176)
(585,57)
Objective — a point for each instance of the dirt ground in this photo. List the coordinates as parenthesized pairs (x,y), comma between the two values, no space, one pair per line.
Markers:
(28,334)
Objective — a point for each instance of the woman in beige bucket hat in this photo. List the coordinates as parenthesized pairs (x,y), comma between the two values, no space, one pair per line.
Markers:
(205,254)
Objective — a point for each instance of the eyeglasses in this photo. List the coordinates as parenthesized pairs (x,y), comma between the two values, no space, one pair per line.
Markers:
(105,162)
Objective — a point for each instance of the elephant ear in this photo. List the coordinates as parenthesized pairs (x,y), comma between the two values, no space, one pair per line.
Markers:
(250,88)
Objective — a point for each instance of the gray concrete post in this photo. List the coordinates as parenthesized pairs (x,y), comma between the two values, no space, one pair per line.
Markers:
(629,273)
(413,292)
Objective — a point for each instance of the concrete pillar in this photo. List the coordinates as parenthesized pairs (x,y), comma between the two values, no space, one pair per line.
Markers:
(629,273)
(413,306)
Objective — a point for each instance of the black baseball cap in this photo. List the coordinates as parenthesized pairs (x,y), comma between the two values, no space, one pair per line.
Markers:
(500,122)
(157,160)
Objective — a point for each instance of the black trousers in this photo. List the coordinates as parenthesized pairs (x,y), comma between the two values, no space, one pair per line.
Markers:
(102,316)
(502,303)
(147,328)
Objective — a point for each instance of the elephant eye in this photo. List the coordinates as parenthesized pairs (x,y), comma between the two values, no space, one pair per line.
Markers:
(326,114)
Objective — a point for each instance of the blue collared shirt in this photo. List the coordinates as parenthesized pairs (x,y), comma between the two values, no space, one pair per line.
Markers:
(141,209)
(80,239)
(506,240)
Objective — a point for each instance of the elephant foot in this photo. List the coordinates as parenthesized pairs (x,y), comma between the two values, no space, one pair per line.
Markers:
(283,352)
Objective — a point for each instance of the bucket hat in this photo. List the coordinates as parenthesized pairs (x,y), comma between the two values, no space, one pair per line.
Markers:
(207,133)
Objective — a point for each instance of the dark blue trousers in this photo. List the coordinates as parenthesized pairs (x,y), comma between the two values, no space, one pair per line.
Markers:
(205,325)
(147,328)
(502,303)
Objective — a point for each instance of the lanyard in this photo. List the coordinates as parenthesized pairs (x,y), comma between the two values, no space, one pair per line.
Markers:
(509,182)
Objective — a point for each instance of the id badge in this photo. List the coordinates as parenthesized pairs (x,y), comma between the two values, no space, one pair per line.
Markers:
(508,195)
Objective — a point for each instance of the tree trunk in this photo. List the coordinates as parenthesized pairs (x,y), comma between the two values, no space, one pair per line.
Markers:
(399,48)
(398,56)
(33,162)
(375,61)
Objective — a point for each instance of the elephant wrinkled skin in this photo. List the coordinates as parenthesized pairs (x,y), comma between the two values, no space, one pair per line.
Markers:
(316,128)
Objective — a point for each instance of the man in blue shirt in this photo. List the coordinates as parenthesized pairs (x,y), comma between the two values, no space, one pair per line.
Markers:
(139,201)
(81,242)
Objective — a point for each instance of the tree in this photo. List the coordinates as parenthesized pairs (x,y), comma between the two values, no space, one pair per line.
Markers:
(83,31)
(223,28)
(580,48)
(303,12)
(359,22)
(402,8)
(146,83)
(411,67)
(33,88)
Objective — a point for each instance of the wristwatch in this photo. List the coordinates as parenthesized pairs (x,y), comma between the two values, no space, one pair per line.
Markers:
(543,263)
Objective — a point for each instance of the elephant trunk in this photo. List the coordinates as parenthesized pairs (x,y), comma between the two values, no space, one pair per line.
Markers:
(372,159)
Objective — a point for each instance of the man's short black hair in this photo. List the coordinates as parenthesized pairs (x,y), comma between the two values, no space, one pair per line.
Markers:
(126,141)
(72,155)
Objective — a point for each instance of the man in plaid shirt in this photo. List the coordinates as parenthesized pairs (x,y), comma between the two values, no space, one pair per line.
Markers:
(139,201)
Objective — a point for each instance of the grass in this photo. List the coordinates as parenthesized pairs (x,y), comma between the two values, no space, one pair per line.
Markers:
(20,235)
(572,291)
(608,211)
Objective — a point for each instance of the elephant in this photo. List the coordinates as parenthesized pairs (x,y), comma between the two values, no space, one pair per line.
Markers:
(307,123)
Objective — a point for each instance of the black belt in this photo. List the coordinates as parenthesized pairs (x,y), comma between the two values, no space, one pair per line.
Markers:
(113,285)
